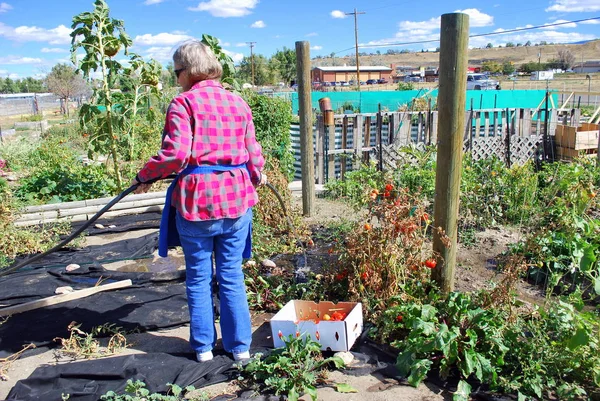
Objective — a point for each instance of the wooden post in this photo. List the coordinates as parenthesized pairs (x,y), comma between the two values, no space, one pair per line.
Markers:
(454,40)
(379,139)
(330,147)
(306,137)
(344,146)
(320,150)
(358,140)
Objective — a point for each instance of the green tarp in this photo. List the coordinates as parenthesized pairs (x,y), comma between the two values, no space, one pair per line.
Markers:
(369,101)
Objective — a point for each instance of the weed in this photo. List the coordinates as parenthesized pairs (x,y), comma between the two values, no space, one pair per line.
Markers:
(137,391)
(85,345)
(291,370)
(5,363)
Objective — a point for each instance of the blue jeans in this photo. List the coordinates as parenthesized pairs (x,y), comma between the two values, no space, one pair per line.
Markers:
(226,238)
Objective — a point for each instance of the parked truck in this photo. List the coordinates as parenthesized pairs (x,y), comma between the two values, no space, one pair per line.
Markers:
(542,75)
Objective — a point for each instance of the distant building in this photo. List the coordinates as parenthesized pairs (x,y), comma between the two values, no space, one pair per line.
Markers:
(587,66)
(348,73)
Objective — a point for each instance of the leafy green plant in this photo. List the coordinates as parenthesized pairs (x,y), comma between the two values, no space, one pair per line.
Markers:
(272,117)
(455,335)
(137,391)
(356,184)
(291,370)
(405,86)
(60,176)
(101,37)
(553,351)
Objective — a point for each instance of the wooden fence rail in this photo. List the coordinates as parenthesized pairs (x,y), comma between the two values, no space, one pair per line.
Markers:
(512,134)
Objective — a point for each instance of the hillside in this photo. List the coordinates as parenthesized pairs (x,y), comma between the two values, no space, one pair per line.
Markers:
(518,55)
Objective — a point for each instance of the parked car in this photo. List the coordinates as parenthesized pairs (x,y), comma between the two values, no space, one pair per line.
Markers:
(481,82)
(413,79)
(371,81)
(382,81)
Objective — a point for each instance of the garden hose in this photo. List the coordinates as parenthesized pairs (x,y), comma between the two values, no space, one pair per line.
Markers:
(104,210)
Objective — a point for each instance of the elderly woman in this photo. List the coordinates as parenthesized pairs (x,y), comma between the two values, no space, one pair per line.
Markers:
(209,142)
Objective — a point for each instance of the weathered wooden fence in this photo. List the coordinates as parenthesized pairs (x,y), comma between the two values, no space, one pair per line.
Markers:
(513,135)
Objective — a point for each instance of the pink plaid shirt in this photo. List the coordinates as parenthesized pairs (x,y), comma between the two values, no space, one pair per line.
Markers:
(209,125)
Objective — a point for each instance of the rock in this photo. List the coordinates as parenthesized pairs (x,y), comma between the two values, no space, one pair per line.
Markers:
(345,356)
(63,290)
(251,263)
(268,263)
(112,226)
(72,266)
(99,226)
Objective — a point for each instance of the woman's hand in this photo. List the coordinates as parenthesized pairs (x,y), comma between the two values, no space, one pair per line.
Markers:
(263,179)
(142,188)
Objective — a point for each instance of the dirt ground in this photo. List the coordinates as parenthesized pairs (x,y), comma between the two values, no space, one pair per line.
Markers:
(475,270)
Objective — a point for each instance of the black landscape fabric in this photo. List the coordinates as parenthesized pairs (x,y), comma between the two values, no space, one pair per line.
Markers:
(88,380)
(154,301)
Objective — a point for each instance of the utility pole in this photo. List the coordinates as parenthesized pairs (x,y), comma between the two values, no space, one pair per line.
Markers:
(355,13)
(252,60)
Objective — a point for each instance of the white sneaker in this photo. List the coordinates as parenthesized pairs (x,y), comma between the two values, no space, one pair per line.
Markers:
(240,356)
(204,356)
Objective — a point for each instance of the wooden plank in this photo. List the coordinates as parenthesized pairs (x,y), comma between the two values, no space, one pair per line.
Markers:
(58,299)
(517,122)
(344,146)
(526,122)
(405,129)
(434,127)
(566,101)
(358,140)
(486,124)
(420,127)
(593,116)
(320,151)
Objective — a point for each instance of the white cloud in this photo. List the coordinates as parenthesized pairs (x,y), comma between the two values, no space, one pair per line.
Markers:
(162,54)
(316,47)
(14,60)
(533,36)
(429,25)
(338,14)
(54,36)
(161,39)
(591,22)
(241,44)
(258,24)
(559,21)
(150,2)
(4,7)
(53,50)
(226,8)
(575,6)
(236,57)
(477,18)
(308,35)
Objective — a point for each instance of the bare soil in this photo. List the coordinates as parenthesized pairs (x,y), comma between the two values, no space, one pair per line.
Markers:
(475,270)
(476,262)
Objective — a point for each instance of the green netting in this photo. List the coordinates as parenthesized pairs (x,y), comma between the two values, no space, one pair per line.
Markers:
(368,102)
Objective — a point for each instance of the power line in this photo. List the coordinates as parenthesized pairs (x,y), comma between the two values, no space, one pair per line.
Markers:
(252,60)
(355,13)
(475,36)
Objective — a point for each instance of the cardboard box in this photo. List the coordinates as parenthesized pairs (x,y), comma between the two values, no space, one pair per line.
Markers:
(578,138)
(306,318)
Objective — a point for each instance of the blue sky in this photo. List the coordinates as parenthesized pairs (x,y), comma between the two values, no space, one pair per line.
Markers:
(34,34)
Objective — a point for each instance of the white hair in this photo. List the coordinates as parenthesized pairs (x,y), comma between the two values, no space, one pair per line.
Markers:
(199,60)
